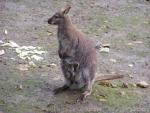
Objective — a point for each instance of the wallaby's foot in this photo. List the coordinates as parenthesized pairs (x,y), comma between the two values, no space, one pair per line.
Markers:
(60,89)
(83,96)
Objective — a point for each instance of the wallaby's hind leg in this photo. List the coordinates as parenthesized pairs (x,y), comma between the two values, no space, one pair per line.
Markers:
(87,91)
(60,89)
(83,96)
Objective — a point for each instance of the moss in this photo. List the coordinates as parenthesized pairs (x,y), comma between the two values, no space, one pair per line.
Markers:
(113,96)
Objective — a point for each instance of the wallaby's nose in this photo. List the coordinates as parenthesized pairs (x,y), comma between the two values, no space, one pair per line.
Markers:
(49,21)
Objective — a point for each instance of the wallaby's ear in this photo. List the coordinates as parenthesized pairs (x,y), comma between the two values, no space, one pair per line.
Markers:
(65,10)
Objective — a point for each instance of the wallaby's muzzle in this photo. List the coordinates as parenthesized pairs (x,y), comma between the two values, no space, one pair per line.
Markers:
(50,21)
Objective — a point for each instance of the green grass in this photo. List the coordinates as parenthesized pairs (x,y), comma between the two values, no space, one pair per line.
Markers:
(113,96)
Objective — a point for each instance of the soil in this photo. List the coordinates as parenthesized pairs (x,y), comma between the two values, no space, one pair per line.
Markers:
(124,24)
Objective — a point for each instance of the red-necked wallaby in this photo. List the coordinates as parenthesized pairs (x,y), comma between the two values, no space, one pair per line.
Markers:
(78,55)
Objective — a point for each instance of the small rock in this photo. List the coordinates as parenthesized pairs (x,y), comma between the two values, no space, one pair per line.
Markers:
(2,52)
(142,84)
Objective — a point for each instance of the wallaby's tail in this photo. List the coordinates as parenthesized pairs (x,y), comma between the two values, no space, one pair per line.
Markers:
(108,77)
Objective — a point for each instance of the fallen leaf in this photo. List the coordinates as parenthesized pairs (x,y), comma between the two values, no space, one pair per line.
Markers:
(104,49)
(50,33)
(105,83)
(23,67)
(102,100)
(2,52)
(142,84)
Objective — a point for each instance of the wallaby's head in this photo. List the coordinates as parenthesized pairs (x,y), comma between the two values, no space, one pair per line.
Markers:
(59,17)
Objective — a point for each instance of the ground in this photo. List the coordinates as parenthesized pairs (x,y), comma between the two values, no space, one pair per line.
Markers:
(124,24)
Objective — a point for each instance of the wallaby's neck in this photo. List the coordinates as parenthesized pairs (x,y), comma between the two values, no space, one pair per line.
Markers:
(64,26)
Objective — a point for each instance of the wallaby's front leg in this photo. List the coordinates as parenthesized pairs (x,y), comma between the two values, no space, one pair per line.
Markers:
(61,89)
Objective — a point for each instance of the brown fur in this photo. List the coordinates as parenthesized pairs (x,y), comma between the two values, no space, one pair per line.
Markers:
(78,55)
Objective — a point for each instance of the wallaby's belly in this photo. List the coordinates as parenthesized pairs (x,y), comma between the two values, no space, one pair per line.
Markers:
(74,78)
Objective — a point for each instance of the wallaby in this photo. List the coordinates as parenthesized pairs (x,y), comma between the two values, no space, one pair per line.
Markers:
(77,54)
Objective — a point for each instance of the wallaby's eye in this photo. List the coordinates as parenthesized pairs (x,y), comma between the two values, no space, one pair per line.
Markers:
(56,16)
